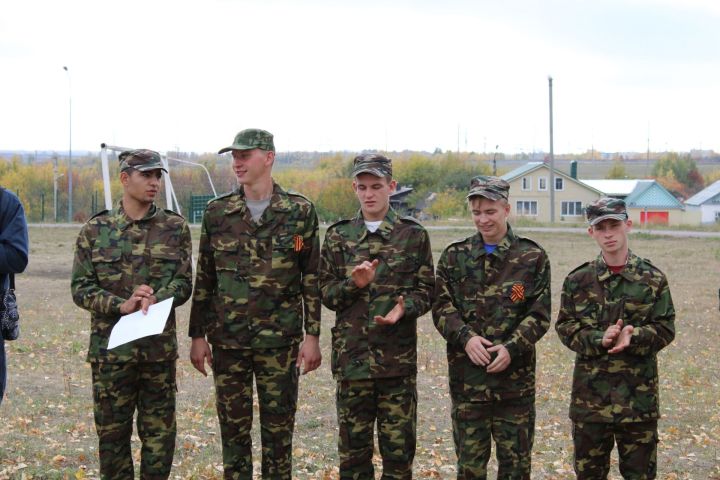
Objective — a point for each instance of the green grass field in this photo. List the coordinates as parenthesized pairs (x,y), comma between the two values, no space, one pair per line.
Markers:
(46,419)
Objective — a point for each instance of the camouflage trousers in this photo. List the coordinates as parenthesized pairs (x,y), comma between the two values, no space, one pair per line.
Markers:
(392,402)
(276,377)
(118,390)
(511,423)
(637,449)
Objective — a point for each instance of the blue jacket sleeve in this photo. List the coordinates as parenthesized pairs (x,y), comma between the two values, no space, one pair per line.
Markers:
(13,234)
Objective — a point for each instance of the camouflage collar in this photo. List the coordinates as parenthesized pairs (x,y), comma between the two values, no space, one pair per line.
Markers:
(507,241)
(385,228)
(629,272)
(123,220)
(279,200)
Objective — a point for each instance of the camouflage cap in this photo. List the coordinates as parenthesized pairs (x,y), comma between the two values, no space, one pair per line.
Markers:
(250,139)
(141,160)
(372,163)
(606,208)
(493,188)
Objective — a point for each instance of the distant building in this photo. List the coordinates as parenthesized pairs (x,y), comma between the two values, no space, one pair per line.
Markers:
(530,194)
(706,203)
(399,200)
(647,201)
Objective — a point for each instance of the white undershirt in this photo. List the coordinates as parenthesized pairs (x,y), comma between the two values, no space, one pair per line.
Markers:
(373,226)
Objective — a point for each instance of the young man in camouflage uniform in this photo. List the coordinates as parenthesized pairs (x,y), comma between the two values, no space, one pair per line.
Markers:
(256,283)
(377,275)
(126,260)
(492,304)
(616,313)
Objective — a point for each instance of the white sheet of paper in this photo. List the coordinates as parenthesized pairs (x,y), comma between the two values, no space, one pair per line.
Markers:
(139,325)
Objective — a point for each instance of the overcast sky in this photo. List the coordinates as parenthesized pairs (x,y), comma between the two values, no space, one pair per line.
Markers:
(351,75)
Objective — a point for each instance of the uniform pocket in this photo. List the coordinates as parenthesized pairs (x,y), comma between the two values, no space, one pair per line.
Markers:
(108,265)
(285,250)
(164,263)
(230,272)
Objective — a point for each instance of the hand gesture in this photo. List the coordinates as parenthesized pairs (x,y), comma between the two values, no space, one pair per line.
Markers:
(623,340)
(502,360)
(364,273)
(393,315)
(611,334)
(475,348)
(141,298)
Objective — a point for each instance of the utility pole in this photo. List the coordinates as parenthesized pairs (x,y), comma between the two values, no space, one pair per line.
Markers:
(55,186)
(458,140)
(70,183)
(552,158)
(647,156)
(495,162)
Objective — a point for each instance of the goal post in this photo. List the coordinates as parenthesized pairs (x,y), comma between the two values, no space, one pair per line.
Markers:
(170,198)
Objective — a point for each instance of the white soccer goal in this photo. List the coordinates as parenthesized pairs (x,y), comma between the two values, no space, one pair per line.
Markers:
(170,197)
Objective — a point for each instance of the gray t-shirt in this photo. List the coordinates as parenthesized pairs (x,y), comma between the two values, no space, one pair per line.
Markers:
(257,207)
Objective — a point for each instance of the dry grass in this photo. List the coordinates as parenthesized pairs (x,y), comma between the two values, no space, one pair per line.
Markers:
(46,423)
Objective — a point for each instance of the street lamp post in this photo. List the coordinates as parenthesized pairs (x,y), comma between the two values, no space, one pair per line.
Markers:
(56,176)
(70,178)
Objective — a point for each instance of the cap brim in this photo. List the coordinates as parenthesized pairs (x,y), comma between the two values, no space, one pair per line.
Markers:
(148,168)
(612,216)
(372,171)
(236,147)
(489,195)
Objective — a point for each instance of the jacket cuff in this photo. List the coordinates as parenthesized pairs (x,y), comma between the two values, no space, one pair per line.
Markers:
(466,333)
(196,332)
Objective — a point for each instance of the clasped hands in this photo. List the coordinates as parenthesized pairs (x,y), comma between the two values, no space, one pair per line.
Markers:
(480,350)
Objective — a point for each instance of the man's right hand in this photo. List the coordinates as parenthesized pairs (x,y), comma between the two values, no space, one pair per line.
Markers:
(611,334)
(475,348)
(133,304)
(200,353)
(364,273)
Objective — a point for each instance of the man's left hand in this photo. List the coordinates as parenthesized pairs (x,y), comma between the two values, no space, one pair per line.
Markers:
(393,315)
(502,360)
(309,354)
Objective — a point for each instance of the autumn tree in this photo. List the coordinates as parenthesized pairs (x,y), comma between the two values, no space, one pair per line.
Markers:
(681,168)
(617,170)
(447,204)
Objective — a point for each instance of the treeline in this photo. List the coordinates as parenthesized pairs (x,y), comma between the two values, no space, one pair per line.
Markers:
(678,173)
(325,181)
(324,178)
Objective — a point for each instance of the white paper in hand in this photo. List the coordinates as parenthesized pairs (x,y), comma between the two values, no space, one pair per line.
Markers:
(139,325)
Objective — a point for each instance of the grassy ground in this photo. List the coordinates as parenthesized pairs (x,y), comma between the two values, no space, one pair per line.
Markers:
(46,422)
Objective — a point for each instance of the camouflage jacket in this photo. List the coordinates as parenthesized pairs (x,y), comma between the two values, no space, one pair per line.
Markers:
(504,297)
(257,281)
(361,348)
(622,387)
(115,254)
